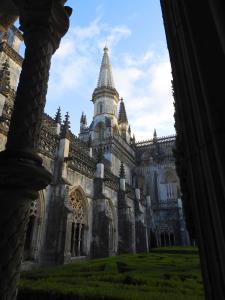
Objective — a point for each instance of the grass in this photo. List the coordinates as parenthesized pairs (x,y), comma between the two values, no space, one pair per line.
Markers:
(163,274)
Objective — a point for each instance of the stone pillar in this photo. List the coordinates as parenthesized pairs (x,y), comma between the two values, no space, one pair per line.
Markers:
(140,226)
(126,243)
(21,172)
(198,82)
(57,213)
(100,227)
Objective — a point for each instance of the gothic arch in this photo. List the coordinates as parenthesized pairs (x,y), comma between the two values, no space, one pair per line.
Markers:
(77,222)
(111,215)
(100,108)
(35,228)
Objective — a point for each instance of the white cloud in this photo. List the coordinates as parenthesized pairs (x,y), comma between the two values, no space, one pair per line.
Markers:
(115,35)
(144,81)
(146,89)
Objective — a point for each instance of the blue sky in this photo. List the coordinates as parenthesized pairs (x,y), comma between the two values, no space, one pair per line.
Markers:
(133,31)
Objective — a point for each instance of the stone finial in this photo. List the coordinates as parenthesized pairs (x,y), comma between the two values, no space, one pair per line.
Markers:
(82,118)
(65,127)
(129,130)
(122,170)
(155,135)
(122,113)
(85,120)
(58,117)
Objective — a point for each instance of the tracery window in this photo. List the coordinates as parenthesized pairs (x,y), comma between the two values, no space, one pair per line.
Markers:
(79,220)
(78,206)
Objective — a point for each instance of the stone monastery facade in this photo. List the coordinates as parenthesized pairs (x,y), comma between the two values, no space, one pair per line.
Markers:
(109,194)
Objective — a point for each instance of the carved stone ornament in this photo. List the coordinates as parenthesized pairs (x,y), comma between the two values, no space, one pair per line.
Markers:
(76,204)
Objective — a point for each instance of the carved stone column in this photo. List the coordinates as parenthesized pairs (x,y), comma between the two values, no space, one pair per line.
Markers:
(196,40)
(22,175)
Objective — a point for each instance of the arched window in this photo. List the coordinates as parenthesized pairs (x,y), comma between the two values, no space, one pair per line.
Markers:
(79,220)
(34,230)
(111,226)
(100,108)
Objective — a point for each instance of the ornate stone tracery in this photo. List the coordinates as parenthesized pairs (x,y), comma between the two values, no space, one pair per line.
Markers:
(77,205)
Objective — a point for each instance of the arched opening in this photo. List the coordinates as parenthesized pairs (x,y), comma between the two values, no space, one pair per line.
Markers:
(100,108)
(111,227)
(78,219)
(34,230)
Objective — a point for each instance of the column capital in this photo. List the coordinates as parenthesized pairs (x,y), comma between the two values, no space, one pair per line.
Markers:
(47,18)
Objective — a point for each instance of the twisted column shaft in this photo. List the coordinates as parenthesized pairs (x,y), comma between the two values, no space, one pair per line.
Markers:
(22,175)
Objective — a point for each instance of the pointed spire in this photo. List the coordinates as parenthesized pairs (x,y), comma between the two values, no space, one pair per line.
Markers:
(122,113)
(122,170)
(85,120)
(129,130)
(105,78)
(82,118)
(5,75)
(65,127)
(154,135)
(58,117)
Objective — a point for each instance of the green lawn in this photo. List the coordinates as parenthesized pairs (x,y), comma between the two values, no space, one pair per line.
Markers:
(165,273)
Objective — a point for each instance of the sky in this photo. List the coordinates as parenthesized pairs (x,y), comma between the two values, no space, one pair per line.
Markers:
(134,34)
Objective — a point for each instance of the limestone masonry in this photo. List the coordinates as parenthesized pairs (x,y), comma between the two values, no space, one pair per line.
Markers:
(109,194)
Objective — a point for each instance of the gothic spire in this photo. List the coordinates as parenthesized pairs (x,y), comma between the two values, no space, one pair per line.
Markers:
(129,130)
(58,117)
(122,170)
(122,113)
(154,135)
(105,78)
(85,120)
(82,118)
(66,126)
